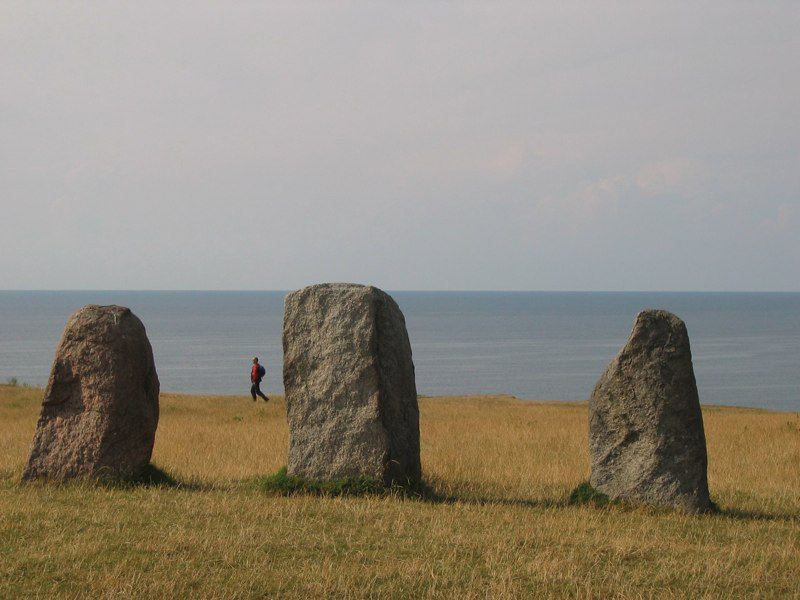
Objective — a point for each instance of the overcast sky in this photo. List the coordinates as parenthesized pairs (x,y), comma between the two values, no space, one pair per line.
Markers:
(411,145)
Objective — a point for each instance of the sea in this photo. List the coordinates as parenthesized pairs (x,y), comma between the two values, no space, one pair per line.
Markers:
(543,346)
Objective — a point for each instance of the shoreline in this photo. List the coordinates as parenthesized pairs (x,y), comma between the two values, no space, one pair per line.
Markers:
(511,399)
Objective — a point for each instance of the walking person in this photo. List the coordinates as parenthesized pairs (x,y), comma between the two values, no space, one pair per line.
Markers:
(256,375)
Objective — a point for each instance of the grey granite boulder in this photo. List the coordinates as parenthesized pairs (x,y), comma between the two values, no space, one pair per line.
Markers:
(646,438)
(100,408)
(351,397)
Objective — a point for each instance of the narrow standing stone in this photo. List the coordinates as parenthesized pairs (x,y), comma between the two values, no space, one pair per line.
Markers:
(351,396)
(100,408)
(646,438)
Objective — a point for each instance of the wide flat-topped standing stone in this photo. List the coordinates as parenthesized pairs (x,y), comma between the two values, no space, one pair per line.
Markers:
(646,438)
(100,409)
(351,397)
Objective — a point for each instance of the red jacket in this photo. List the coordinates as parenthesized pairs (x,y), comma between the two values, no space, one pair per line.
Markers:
(254,378)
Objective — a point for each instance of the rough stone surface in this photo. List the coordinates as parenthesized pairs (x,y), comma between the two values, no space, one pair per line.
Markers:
(100,408)
(351,396)
(646,438)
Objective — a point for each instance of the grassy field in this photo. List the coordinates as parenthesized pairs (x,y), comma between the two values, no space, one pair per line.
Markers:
(502,528)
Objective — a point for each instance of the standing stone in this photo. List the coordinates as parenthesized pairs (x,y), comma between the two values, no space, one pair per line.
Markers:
(351,396)
(646,437)
(100,409)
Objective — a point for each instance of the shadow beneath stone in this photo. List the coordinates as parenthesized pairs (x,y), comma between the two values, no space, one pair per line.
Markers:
(282,484)
(422,491)
(436,498)
(753,515)
(152,477)
(585,494)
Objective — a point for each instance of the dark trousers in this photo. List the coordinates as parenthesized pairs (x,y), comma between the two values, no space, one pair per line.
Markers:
(255,390)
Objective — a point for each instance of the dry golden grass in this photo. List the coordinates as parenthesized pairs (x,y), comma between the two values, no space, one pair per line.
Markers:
(507,532)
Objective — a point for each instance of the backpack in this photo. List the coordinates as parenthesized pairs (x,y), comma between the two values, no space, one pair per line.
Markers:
(261,371)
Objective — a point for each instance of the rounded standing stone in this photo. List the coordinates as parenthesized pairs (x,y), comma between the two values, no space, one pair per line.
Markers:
(100,408)
(351,396)
(646,439)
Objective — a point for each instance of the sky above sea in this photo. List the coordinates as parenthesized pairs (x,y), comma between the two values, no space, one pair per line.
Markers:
(413,145)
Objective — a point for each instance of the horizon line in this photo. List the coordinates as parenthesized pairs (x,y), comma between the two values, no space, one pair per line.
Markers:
(471,291)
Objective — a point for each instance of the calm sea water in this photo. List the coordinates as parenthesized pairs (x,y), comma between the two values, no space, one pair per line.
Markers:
(533,345)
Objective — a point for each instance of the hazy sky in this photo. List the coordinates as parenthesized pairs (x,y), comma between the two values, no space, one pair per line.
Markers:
(543,145)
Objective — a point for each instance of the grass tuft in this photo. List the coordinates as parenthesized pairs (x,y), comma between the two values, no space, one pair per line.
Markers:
(283,484)
(586,494)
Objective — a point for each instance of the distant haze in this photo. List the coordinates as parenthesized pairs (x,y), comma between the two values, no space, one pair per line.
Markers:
(410,145)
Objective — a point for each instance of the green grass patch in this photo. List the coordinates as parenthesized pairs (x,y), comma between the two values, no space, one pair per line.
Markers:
(586,494)
(283,484)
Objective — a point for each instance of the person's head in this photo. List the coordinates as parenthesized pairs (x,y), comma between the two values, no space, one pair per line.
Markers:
(255,360)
